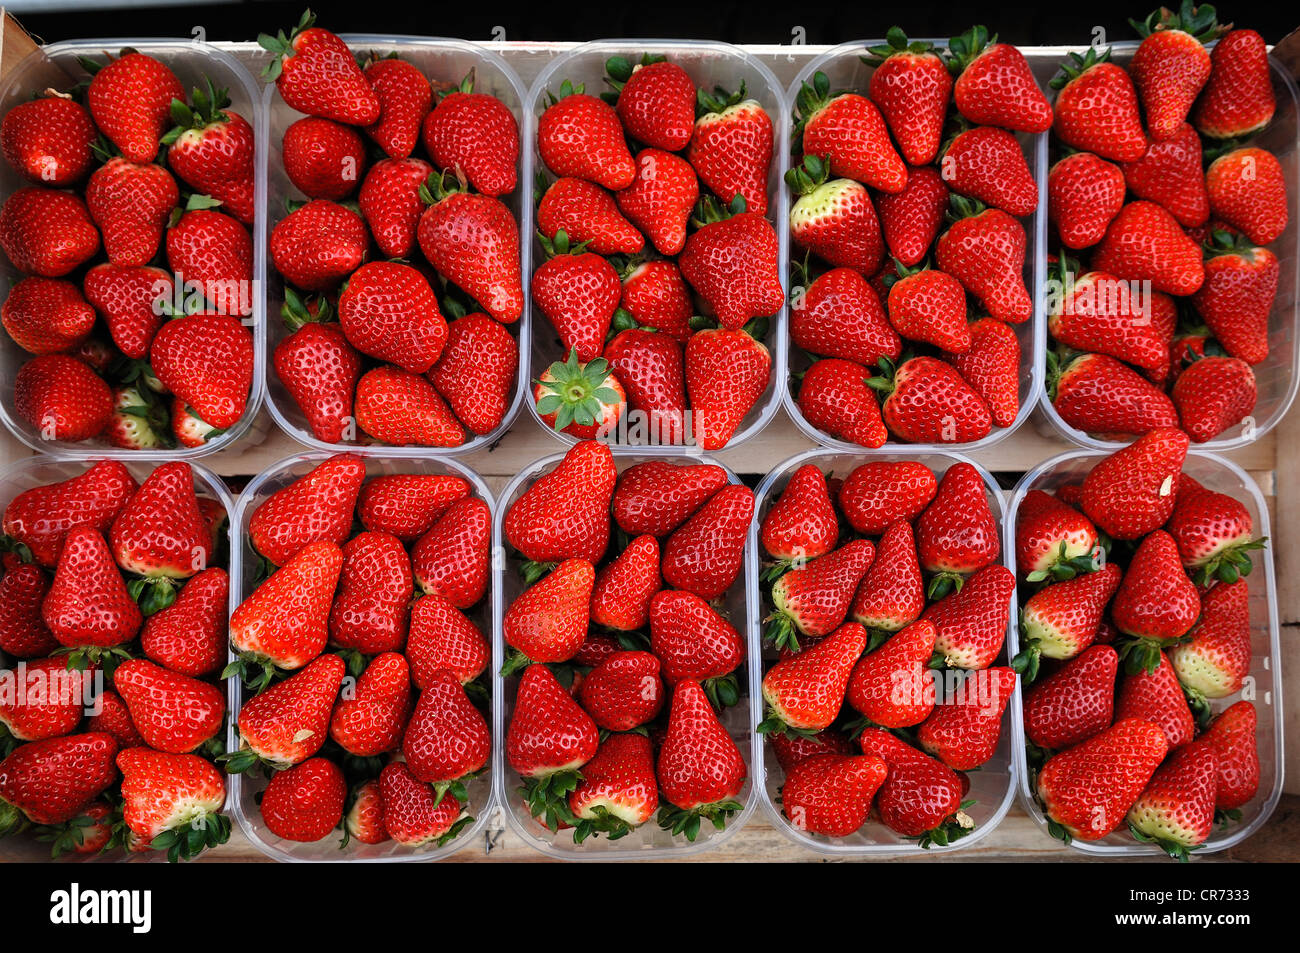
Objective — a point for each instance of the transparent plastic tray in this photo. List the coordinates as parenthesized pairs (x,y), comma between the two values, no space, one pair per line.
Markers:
(992,787)
(709,64)
(1221,475)
(846,71)
(649,840)
(244,788)
(56,66)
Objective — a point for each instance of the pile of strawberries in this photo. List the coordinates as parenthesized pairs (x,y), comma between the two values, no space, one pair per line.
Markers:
(1121,728)
(379,724)
(111,712)
(1173,209)
(928,593)
(383,253)
(656,214)
(908,322)
(134,245)
(628,660)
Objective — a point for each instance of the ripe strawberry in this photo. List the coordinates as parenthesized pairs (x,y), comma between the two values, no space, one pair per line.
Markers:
(890,595)
(1171,64)
(985,163)
(62,397)
(927,401)
(1248,191)
(285,622)
(623,692)
(319,244)
(390,201)
(476,371)
(565,513)
(389,312)
(618,791)
(984,249)
(839,315)
(403,409)
(700,770)
(130,100)
(834,397)
(891,686)
(364,821)
(1241,282)
(43,698)
(911,219)
(160,533)
(693,641)
(1053,539)
(1238,98)
(657,496)
(548,739)
(406,505)
(131,300)
(48,140)
(206,360)
(1215,661)
(1075,702)
(548,622)
(1099,395)
(1132,492)
(578,292)
(51,781)
(621,595)
(726,372)
(1146,243)
(316,506)
(805,691)
(322,158)
(1097,108)
(404,100)
(972,622)
(453,558)
(834,219)
(731,150)
(588,215)
(472,240)
(596,648)
(1170,173)
(1156,604)
(317,74)
(921,796)
(655,101)
(792,749)
(994,84)
(992,368)
(476,133)
(1101,313)
(661,198)
(46,232)
(88,607)
(731,263)
(1087,790)
(211,149)
(41,517)
(1084,194)
(876,495)
(45,316)
(213,253)
(813,600)
(831,794)
(173,801)
(1232,735)
(846,136)
(1154,695)
(1063,618)
(173,712)
(131,204)
(930,306)
(964,731)
(1176,810)
(912,87)
(373,596)
(1213,532)
(580,136)
(650,365)
(289,722)
(305,803)
(319,369)
(801,523)
(189,636)
(23,632)
(704,554)
(413,814)
(90,832)
(442,637)
(447,738)
(1213,395)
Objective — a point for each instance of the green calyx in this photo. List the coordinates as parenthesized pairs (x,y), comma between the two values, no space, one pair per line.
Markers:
(282,46)
(298,311)
(678,821)
(943,583)
(611,825)
(1179,852)
(965,47)
(515,661)
(104,657)
(952,828)
(440,185)
(722,691)
(206,107)
(773,724)
(619,69)
(1077,65)
(718,101)
(576,393)
(1229,564)
(1221,242)
(1143,655)
(962,206)
(559,245)
(806,178)
(811,99)
(883,383)
(1027,661)
(153,593)
(64,838)
(896,42)
(186,843)
(240,761)
(466,85)
(12,820)
(567,88)
(1067,567)
(548,798)
(257,672)
(9,544)
(1201,22)
(710,210)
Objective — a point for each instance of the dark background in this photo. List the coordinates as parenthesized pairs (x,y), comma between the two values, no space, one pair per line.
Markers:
(738,22)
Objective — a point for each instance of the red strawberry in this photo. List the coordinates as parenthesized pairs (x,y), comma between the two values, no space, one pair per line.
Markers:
(890,595)
(48,140)
(88,607)
(374,592)
(305,803)
(791,749)
(657,496)
(972,621)
(1099,395)
(39,518)
(692,640)
(51,781)
(726,373)
(813,600)
(801,524)
(289,722)
(1171,66)
(207,361)
(1063,618)
(731,263)
(1156,696)
(45,316)
(618,790)
(1233,736)
(1053,539)
(656,101)
(390,201)
(986,163)
(404,100)
(1087,790)
(442,637)
(160,533)
(578,292)
(548,739)
(1097,107)
(131,204)
(1146,243)
(319,244)
(650,365)
(621,595)
(701,771)
(213,253)
(991,367)
(548,622)
(1104,314)
(588,215)
(23,632)
(834,397)
(1215,661)
(623,692)
(1236,300)
(1132,492)
(847,136)
(1170,173)
(930,306)
(1176,811)
(130,99)
(172,802)
(406,505)
(1213,395)
(806,691)
(43,699)
(211,149)
(912,87)
(661,198)
(414,815)
(921,796)
(956,534)
(173,712)
(1075,702)
(891,686)
(580,135)
(1238,99)
(447,738)
(189,636)
(877,495)
(911,219)
(984,249)
(389,312)
(964,731)
(91,832)
(705,553)
(995,85)
(453,558)
(400,408)
(1156,604)
(834,219)
(596,648)
(476,371)
(1213,532)
(317,74)
(839,315)
(830,794)
(130,299)
(477,134)
(731,150)
(319,369)
(316,506)
(364,821)
(565,513)
(47,232)
(322,158)
(62,397)
(1084,194)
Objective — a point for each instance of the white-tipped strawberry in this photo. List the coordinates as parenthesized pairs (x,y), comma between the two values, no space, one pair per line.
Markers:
(1214,533)
(139,421)
(1176,811)
(1216,660)
(189,429)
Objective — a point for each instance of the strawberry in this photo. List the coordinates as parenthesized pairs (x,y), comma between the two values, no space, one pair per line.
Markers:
(693,641)
(1087,790)
(656,497)
(1097,108)
(447,738)
(173,712)
(413,814)
(139,420)
(1053,539)
(1238,99)
(912,87)
(985,163)
(548,622)
(839,315)
(1241,282)
(726,373)
(704,554)
(661,198)
(891,686)
(701,771)
(189,636)
(1215,661)
(45,232)
(994,85)
(565,513)
(618,791)
(43,698)
(1176,810)
(956,534)
(623,692)
(320,369)
(48,140)
(1248,191)
(1146,243)
(1156,696)
(1213,395)
(890,595)
(130,100)
(211,149)
(930,306)
(548,739)
(846,135)
(621,594)
(23,632)
(813,600)
(373,596)
(1213,532)
(731,263)
(1084,194)
(41,517)
(580,136)
(1132,492)
(90,832)
(403,409)
(834,219)
(45,316)
(317,74)
(1169,172)
(316,506)
(831,794)
(792,749)
(991,366)
(160,533)
(964,731)
(390,201)
(388,311)
(1099,395)
(578,292)
(442,637)
(801,523)
(589,216)
(972,622)
(88,607)
(597,647)
(285,622)
(834,397)
(206,360)
(1156,604)
(1102,314)
(62,397)
(1075,702)
(289,722)
(876,495)
(305,803)
(453,558)
(805,692)
(323,159)
(921,796)
(1063,618)
(1171,64)
(404,100)
(130,299)
(472,241)
(319,244)
(213,253)
(650,365)
(476,133)
(364,821)
(1232,735)
(476,371)
(911,219)
(407,505)
(51,781)
(984,249)
(655,101)
(131,204)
